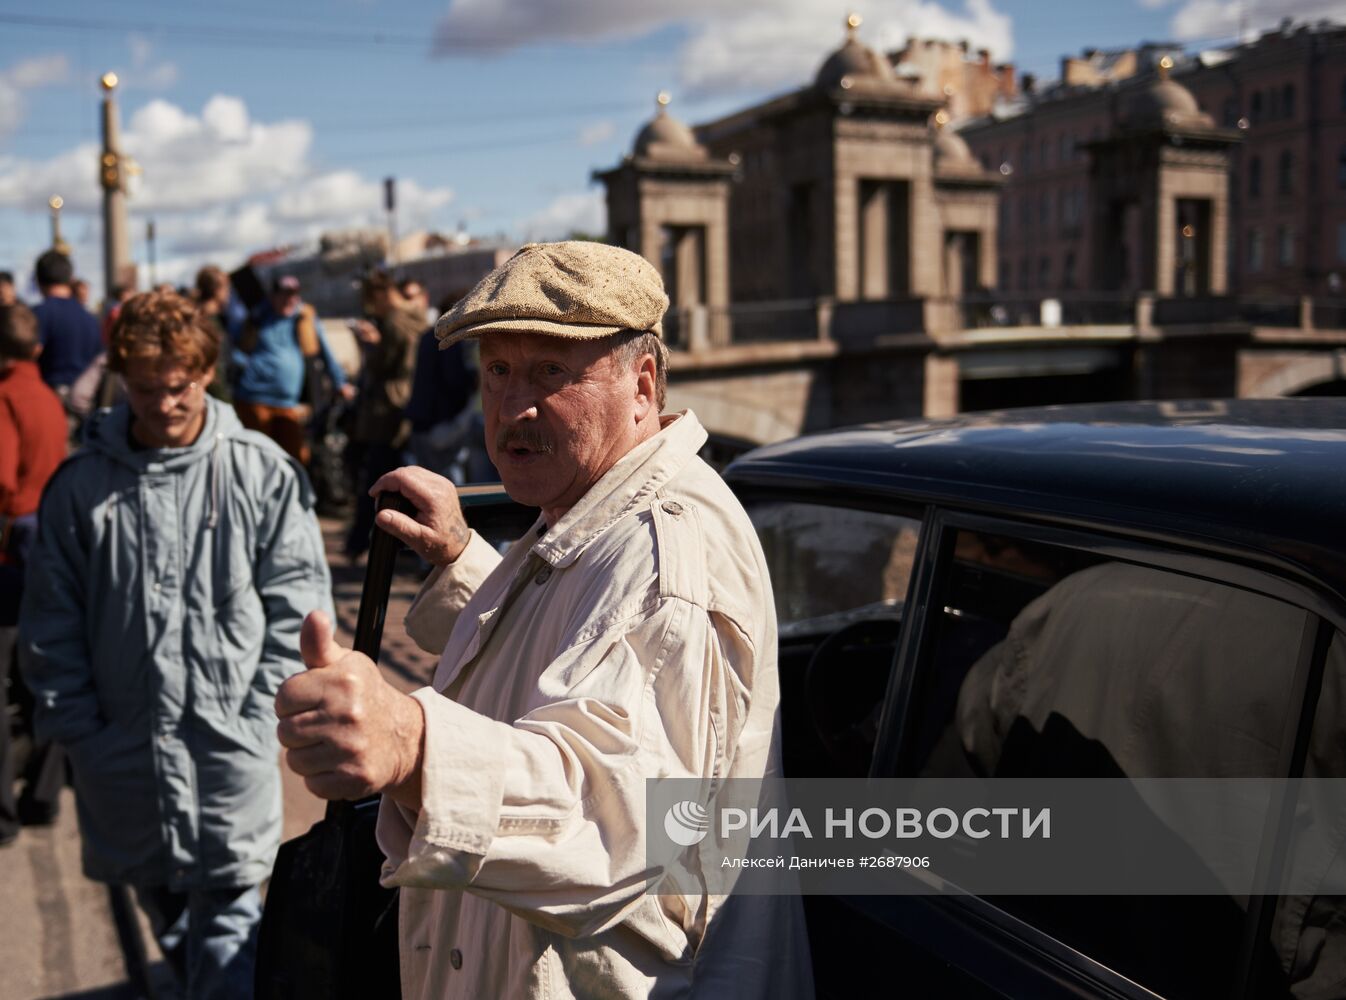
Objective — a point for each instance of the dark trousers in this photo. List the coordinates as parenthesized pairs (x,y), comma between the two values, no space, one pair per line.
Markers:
(44,769)
(377,459)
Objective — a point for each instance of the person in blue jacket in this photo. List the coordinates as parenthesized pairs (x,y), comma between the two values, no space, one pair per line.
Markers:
(271,349)
(69,333)
(176,557)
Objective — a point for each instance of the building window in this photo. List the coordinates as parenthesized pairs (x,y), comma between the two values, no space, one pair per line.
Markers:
(1028,158)
(1341,242)
(1045,209)
(1023,274)
(1044,152)
(1288,101)
(1068,272)
(1026,212)
(1255,107)
(1285,173)
(1044,272)
(1285,245)
(1004,276)
(1273,104)
(1255,177)
(1254,249)
(1067,148)
(1231,112)
(1341,168)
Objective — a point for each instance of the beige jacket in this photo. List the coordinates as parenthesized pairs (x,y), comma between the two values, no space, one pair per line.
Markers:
(634,639)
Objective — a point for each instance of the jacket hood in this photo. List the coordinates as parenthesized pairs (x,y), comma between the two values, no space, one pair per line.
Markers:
(108,432)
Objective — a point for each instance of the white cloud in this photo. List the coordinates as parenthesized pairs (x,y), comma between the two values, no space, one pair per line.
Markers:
(28,74)
(1227,19)
(593,134)
(219,185)
(146,74)
(42,71)
(584,212)
(753,44)
(781,45)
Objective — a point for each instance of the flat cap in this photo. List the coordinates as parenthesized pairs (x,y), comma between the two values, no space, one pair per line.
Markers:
(574,289)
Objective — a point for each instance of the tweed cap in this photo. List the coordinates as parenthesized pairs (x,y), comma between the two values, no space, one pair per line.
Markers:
(574,289)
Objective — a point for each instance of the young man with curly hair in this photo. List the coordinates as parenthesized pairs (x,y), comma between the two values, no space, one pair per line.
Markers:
(177,554)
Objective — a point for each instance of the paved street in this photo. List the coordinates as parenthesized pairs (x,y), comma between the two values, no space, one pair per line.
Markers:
(57,936)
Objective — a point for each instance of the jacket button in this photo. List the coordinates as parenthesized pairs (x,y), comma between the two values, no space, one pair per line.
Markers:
(456,958)
(543,575)
(672,507)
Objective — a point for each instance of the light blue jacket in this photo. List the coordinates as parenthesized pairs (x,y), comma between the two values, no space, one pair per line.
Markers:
(162,612)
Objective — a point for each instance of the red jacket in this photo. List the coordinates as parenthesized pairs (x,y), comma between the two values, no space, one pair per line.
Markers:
(32,438)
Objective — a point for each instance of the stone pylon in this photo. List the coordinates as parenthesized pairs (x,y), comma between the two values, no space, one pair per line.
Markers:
(113,169)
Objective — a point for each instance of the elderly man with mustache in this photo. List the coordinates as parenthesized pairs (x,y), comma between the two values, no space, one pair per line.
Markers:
(629,635)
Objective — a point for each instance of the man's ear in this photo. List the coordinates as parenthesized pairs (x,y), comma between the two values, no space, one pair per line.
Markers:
(645,387)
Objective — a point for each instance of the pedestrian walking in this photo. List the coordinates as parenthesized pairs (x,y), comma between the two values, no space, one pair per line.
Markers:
(176,556)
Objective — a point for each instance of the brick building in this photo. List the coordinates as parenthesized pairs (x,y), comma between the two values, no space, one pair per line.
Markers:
(1282,102)
(835,190)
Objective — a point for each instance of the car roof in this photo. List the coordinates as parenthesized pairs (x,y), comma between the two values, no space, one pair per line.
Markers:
(1264,476)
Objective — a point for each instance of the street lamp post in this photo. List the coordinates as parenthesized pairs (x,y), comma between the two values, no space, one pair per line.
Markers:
(112,171)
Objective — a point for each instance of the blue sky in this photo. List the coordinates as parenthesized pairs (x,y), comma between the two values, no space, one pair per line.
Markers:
(261,123)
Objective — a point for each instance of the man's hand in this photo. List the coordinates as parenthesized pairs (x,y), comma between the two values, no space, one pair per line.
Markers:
(347,732)
(365,332)
(438,533)
(347,391)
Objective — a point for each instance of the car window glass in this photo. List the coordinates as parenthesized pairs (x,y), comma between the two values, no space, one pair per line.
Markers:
(830,565)
(1307,948)
(1054,662)
(840,579)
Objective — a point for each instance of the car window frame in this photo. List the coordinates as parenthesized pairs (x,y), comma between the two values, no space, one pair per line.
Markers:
(1203,560)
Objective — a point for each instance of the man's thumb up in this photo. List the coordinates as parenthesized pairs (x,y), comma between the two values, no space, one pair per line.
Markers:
(317,642)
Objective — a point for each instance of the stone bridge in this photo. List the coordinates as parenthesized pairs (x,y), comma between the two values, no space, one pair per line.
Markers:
(757,373)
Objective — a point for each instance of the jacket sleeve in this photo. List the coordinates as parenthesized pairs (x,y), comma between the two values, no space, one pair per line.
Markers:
(546,816)
(9,454)
(291,575)
(53,627)
(445,592)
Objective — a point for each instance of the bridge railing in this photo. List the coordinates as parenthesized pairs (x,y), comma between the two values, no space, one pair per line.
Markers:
(1282,311)
(696,328)
(988,309)
(795,320)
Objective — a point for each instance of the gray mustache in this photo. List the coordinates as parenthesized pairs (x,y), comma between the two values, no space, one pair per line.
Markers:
(516,437)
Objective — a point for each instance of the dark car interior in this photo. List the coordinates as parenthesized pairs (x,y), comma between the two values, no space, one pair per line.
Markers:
(835,669)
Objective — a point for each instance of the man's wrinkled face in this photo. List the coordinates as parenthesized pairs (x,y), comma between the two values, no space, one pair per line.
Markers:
(559,413)
(167,400)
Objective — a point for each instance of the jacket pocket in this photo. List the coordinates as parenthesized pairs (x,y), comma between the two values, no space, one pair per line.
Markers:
(238,632)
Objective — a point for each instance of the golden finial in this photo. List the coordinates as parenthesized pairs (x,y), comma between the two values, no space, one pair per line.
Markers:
(1165,64)
(56,202)
(941,118)
(109,81)
(853,22)
(662,99)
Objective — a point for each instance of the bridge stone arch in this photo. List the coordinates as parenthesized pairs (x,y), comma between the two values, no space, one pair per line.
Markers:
(1296,373)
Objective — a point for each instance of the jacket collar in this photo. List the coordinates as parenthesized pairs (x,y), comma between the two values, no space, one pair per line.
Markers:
(636,477)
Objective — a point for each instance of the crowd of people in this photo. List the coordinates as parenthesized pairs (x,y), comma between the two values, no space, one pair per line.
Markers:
(168,601)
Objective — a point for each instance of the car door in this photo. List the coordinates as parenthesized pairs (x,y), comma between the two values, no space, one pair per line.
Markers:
(1032,651)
